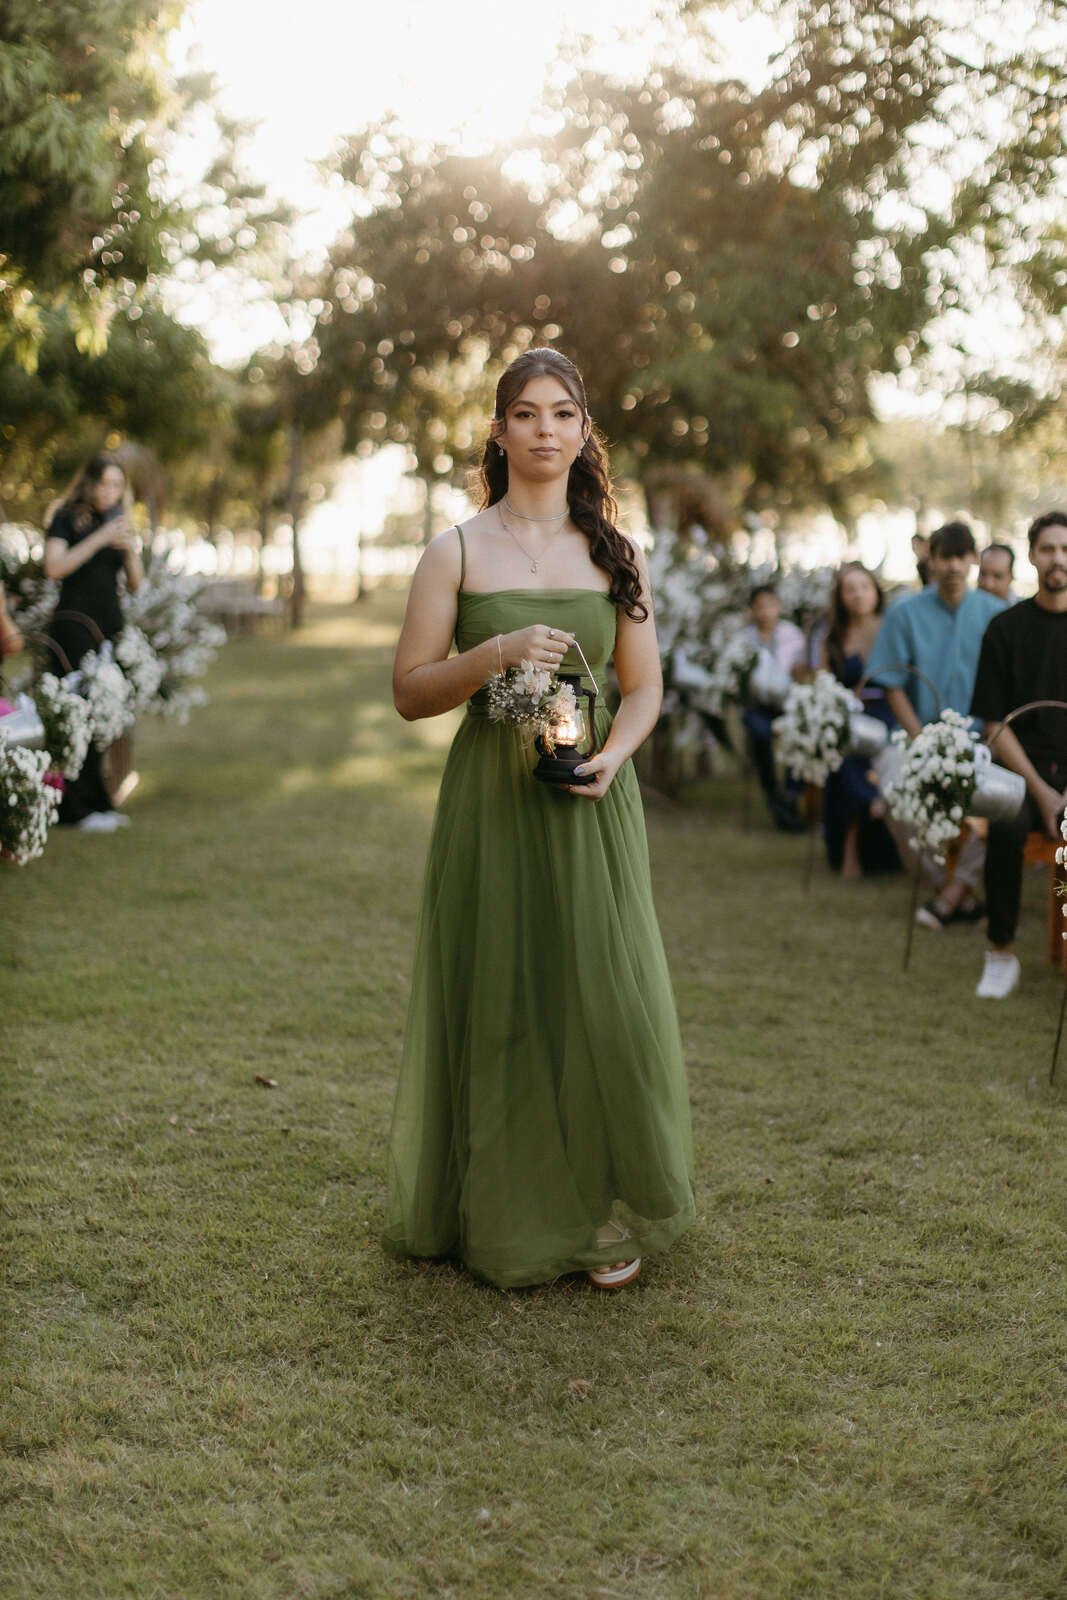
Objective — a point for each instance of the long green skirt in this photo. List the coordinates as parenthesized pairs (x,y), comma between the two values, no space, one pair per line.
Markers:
(542,1092)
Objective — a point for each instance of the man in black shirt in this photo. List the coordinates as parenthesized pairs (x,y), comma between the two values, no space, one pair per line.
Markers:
(1024,658)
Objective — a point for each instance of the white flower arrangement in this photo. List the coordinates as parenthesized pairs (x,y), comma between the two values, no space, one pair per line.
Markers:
(531,699)
(185,641)
(937,781)
(28,805)
(67,724)
(732,673)
(108,694)
(143,668)
(813,731)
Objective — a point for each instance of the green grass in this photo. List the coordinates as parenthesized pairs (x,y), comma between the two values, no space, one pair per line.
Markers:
(846,1381)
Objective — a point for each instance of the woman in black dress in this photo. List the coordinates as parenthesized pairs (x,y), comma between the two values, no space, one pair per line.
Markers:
(87,544)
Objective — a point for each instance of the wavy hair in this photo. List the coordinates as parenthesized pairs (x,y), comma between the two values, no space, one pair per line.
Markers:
(78,500)
(590,501)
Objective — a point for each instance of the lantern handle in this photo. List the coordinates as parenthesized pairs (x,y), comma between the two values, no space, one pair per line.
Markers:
(585,664)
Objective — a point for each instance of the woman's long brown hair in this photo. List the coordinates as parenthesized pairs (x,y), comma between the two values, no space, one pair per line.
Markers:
(78,498)
(839,615)
(589,497)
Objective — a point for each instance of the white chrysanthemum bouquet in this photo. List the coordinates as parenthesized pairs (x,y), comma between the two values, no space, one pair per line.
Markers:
(28,805)
(531,699)
(732,673)
(184,640)
(67,725)
(937,781)
(108,694)
(143,668)
(813,731)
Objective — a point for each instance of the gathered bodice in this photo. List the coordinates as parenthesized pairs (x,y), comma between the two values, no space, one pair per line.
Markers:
(587,613)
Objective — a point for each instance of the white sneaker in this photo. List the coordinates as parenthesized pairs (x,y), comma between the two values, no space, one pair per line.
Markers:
(120,819)
(99,822)
(1000,976)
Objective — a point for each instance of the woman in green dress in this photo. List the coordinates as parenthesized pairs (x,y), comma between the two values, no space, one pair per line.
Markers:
(541,1123)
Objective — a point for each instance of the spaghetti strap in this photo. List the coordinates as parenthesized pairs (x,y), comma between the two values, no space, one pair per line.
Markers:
(462,556)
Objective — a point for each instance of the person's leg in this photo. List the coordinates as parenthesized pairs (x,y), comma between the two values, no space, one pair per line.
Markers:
(87,793)
(1004,872)
(761,748)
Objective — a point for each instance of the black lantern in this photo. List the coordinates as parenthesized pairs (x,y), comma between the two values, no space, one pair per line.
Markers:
(567,732)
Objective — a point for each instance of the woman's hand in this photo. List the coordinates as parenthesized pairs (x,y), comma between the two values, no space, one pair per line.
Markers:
(605,765)
(119,535)
(542,645)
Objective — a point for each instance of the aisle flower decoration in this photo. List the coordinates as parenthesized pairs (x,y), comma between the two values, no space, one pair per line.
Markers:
(1061,860)
(731,675)
(108,694)
(143,669)
(531,699)
(814,730)
(67,724)
(937,781)
(184,640)
(28,804)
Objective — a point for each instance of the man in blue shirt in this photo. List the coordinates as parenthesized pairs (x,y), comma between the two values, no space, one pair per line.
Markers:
(938,632)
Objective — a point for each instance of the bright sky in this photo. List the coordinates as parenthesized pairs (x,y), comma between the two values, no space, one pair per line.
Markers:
(470,73)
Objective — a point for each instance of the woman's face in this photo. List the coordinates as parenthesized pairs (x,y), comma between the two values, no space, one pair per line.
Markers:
(859,596)
(766,612)
(108,489)
(543,431)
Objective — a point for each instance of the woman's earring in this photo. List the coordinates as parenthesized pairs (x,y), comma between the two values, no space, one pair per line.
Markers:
(499,446)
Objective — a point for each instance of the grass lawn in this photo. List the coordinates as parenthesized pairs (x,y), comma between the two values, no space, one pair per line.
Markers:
(847,1381)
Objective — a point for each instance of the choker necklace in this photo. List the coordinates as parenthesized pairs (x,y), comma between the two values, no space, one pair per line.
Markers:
(533,560)
(557,516)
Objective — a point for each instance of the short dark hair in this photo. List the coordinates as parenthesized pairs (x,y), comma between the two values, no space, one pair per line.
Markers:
(1005,550)
(952,539)
(1049,519)
(762,588)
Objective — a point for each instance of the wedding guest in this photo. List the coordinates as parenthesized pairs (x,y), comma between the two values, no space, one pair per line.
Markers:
(783,650)
(996,568)
(1024,658)
(10,637)
(854,830)
(920,546)
(88,543)
(938,633)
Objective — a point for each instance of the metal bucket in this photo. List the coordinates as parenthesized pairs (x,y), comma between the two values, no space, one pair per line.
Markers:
(999,793)
(23,726)
(867,736)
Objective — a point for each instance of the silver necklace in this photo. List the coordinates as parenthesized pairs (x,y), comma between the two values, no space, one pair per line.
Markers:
(533,560)
(557,516)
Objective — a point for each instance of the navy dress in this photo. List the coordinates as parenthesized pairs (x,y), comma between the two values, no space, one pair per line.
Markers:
(848,792)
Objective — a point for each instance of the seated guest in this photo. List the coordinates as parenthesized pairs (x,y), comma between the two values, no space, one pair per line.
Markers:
(1024,658)
(996,567)
(782,648)
(938,632)
(857,839)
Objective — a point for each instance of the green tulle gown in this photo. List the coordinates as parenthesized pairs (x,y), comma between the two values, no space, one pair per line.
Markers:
(542,1092)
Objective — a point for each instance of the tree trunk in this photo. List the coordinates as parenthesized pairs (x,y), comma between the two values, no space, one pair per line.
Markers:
(294,505)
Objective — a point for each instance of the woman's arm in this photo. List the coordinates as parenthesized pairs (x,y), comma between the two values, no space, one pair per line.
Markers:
(131,560)
(637,667)
(61,558)
(426,680)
